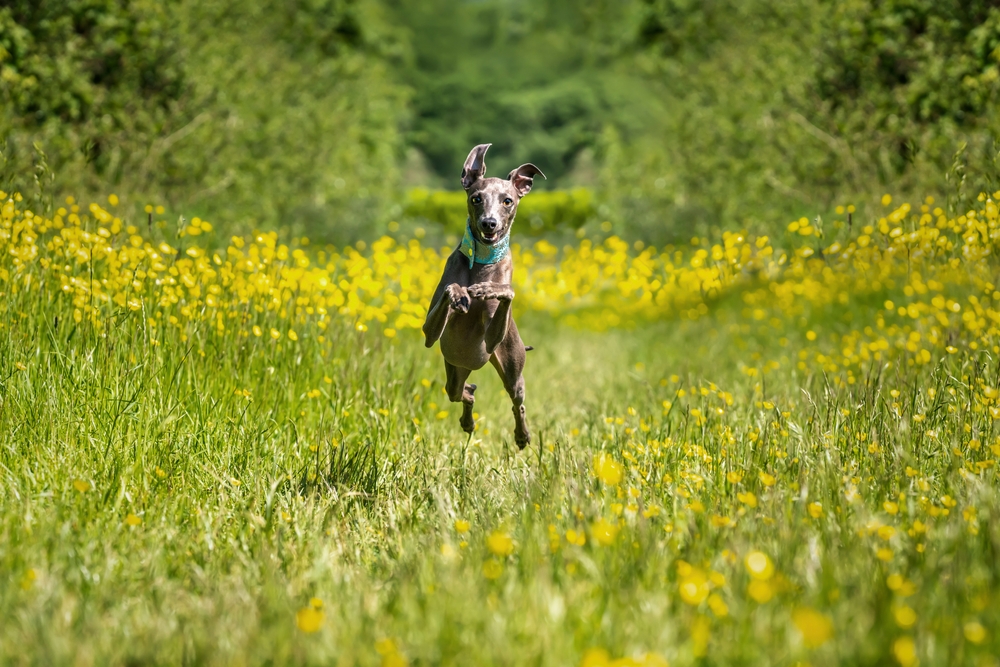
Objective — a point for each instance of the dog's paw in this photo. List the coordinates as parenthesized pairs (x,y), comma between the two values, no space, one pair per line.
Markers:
(522,440)
(491,291)
(458,297)
(478,291)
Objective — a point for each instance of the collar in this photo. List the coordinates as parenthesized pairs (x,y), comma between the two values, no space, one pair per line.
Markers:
(480,253)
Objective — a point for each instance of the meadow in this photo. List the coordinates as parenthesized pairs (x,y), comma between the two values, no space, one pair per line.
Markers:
(747,450)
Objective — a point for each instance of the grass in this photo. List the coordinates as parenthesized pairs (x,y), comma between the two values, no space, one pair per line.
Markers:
(763,483)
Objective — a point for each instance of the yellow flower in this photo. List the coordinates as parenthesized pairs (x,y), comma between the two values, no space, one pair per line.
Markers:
(905,651)
(500,543)
(734,476)
(492,569)
(759,565)
(133,520)
(747,498)
(391,655)
(81,485)
(693,587)
(815,510)
(310,619)
(461,526)
(718,605)
(760,591)
(974,632)
(766,479)
(816,628)
(596,657)
(905,616)
(604,532)
(607,469)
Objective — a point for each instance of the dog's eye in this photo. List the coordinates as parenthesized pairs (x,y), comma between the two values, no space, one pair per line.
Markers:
(508,201)
(477,200)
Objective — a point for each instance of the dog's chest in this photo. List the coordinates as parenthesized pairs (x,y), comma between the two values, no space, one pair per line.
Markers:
(463,341)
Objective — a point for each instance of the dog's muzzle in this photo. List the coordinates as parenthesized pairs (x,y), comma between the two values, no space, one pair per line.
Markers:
(489,230)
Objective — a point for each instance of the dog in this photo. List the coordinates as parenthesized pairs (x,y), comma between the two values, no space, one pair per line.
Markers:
(470,310)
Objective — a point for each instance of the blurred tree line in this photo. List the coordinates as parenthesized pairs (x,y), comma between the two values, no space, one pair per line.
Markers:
(678,115)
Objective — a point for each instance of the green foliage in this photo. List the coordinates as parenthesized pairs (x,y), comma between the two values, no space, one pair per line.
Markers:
(541,211)
(89,62)
(253,111)
(536,79)
(681,117)
(285,123)
(906,81)
(729,142)
(793,107)
(928,60)
(83,79)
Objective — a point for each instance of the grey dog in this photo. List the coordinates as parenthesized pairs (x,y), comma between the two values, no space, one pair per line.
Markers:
(470,310)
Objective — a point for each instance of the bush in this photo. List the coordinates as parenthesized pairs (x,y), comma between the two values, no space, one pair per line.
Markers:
(797,106)
(208,107)
(85,82)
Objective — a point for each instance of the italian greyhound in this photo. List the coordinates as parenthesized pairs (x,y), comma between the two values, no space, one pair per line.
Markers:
(470,310)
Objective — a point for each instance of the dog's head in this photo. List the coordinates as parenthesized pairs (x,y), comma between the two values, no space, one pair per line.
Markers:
(493,201)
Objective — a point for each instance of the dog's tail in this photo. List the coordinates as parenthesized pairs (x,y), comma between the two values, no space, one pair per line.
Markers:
(528,348)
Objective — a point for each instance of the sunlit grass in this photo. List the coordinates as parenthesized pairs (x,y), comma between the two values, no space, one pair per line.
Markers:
(746,451)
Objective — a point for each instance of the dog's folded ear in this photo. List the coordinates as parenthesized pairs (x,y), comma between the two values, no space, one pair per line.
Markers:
(523,176)
(475,165)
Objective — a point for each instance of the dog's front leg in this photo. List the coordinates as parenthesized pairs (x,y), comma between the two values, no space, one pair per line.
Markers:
(496,328)
(454,297)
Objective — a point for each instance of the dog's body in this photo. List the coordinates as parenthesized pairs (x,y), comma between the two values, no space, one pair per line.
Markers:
(470,310)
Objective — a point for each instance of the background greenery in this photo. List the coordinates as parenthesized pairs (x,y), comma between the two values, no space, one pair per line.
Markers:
(679,116)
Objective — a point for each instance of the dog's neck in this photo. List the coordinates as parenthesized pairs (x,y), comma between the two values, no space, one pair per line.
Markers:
(481,253)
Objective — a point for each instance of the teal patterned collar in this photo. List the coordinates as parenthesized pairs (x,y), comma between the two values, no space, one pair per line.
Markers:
(480,253)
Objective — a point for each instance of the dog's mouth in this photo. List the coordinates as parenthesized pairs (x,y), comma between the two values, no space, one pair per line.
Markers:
(489,238)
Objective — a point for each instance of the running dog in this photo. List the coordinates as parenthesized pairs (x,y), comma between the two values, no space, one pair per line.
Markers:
(470,310)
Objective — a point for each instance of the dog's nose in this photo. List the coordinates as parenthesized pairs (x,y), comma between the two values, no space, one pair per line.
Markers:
(489,224)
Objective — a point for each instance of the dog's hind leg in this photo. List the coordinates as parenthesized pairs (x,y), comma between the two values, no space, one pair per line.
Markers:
(458,390)
(508,359)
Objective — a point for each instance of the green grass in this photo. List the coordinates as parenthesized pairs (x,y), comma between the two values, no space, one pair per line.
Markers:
(250,508)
